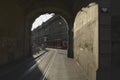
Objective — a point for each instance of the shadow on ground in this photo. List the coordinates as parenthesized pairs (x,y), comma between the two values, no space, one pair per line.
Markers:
(22,69)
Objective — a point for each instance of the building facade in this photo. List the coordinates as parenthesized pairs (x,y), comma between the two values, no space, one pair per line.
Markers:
(53,29)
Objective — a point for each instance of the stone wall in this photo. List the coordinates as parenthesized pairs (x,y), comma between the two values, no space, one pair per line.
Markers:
(11,31)
(86,40)
(115,40)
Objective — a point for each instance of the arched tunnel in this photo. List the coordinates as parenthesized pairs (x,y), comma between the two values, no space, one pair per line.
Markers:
(89,41)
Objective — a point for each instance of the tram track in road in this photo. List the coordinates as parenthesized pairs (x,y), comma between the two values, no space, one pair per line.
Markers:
(48,67)
(38,60)
(29,69)
(43,64)
(21,69)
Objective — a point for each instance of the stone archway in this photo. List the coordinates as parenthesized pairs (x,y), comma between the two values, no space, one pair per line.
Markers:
(15,26)
(30,18)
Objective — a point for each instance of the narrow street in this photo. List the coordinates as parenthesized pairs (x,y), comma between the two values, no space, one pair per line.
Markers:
(51,64)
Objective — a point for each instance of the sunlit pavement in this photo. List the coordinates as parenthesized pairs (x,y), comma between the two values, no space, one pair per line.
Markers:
(51,64)
(63,68)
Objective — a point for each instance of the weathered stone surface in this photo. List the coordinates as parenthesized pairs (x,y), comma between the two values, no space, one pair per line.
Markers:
(86,40)
(11,31)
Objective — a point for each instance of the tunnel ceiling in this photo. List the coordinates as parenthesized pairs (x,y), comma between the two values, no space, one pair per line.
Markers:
(71,6)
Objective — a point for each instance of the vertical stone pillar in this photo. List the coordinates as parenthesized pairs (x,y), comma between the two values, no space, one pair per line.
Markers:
(70,41)
(86,40)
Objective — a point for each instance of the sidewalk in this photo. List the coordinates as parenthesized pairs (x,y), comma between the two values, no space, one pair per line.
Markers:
(64,68)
